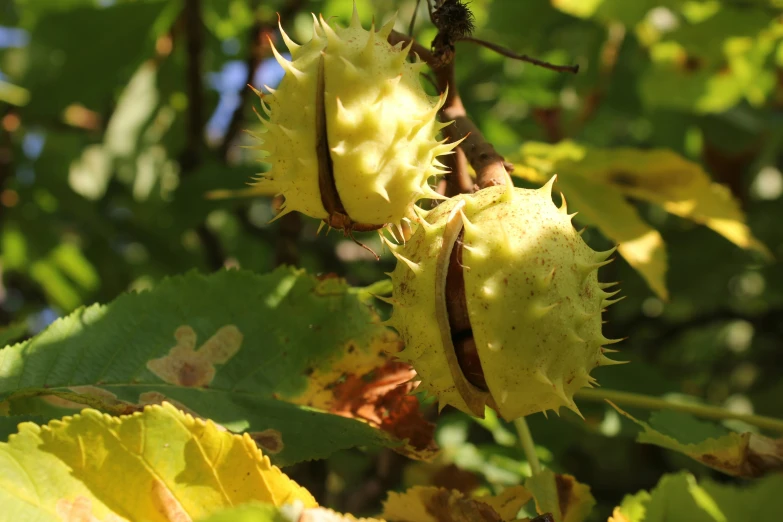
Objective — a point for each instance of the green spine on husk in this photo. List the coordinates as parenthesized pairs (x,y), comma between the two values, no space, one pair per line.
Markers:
(533,300)
(381,125)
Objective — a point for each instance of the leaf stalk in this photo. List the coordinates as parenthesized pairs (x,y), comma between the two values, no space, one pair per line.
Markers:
(528,446)
(699,410)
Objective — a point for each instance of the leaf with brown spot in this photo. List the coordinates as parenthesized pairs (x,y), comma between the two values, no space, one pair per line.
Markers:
(356,358)
(439,475)
(561,495)
(186,366)
(270,441)
(249,351)
(430,504)
(83,391)
(739,454)
(382,398)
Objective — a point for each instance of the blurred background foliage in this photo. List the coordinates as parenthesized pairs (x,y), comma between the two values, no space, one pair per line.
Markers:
(117,116)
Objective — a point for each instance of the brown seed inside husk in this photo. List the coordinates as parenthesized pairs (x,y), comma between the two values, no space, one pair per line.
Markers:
(459,320)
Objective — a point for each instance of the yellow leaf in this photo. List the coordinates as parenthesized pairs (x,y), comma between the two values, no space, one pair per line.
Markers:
(327,515)
(641,245)
(740,454)
(159,465)
(509,502)
(561,495)
(596,182)
(431,504)
(257,512)
(660,176)
(680,186)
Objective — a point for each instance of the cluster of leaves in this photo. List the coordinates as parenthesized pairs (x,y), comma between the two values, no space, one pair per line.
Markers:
(200,387)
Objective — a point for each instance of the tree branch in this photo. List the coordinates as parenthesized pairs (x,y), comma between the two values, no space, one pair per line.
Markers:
(482,156)
(258,50)
(455,185)
(290,226)
(190,159)
(194,43)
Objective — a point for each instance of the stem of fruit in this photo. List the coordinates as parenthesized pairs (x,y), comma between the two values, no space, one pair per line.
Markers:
(699,410)
(526,441)
(490,167)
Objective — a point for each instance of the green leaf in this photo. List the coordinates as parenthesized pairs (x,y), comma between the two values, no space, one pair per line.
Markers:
(712,65)
(681,497)
(234,347)
(711,37)
(740,454)
(104,44)
(12,332)
(157,465)
(629,13)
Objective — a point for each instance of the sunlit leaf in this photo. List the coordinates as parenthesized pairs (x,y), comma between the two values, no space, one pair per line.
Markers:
(253,353)
(157,465)
(134,107)
(740,454)
(681,497)
(251,512)
(628,13)
(596,181)
(287,513)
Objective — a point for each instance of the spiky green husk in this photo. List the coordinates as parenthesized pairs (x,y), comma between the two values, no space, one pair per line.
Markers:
(533,299)
(381,125)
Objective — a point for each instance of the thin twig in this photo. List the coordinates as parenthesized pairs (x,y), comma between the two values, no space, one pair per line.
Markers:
(413,18)
(521,57)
